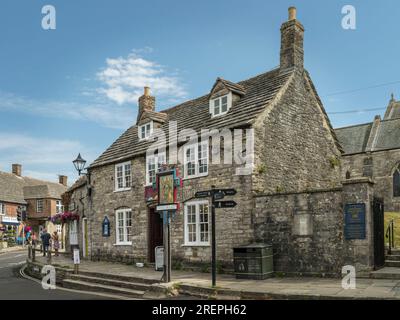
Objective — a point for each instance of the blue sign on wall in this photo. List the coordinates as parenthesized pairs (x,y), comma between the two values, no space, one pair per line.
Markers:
(106,227)
(354,221)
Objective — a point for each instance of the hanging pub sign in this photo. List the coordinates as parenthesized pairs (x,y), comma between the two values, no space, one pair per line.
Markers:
(167,183)
(106,227)
(354,219)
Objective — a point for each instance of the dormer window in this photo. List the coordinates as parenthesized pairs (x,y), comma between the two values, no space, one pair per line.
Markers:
(221,105)
(145,130)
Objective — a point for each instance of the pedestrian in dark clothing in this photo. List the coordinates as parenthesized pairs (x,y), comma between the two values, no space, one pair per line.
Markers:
(45,241)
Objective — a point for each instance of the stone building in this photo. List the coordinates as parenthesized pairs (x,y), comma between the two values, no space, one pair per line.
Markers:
(373,150)
(292,196)
(42,199)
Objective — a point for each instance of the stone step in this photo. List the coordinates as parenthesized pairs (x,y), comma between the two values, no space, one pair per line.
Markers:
(395,252)
(393,257)
(386,273)
(111,282)
(95,287)
(392,263)
(119,277)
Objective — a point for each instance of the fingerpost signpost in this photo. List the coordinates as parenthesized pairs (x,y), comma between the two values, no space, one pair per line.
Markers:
(216,194)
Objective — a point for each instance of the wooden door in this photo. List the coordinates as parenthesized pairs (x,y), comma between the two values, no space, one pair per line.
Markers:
(155,233)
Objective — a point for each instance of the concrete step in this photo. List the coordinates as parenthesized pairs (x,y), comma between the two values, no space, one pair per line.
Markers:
(119,277)
(393,257)
(392,263)
(95,287)
(110,282)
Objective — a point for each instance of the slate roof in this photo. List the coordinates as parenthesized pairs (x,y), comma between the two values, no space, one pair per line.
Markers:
(16,189)
(354,139)
(78,183)
(194,114)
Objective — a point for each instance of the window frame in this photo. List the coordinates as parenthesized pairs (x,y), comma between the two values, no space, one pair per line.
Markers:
(156,161)
(37,205)
(228,97)
(59,206)
(196,160)
(396,192)
(147,133)
(198,242)
(125,241)
(2,209)
(124,176)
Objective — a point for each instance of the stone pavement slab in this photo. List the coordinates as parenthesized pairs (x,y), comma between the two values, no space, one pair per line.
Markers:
(282,288)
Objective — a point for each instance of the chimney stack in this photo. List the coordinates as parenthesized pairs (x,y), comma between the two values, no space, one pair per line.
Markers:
(17,169)
(63,180)
(292,35)
(146,103)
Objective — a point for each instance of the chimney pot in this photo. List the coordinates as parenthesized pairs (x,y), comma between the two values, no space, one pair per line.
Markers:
(292,13)
(63,180)
(146,91)
(17,169)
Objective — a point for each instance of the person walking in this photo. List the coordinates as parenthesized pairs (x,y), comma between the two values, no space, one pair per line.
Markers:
(45,241)
(56,242)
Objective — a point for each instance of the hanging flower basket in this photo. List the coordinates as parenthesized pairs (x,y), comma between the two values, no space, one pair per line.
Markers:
(61,218)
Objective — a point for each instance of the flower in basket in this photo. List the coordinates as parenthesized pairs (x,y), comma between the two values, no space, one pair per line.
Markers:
(57,218)
(69,216)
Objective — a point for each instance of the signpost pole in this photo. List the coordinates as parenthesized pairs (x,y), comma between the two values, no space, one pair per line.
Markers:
(167,258)
(214,247)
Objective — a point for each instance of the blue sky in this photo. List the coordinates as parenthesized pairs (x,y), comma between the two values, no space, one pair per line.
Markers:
(60,92)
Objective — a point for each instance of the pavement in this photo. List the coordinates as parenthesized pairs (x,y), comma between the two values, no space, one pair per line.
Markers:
(15,287)
(199,284)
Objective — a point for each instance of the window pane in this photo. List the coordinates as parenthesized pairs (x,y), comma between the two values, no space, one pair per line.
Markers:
(203,158)
(224,106)
(191,223)
(190,162)
(396,184)
(127,176)
(204,222)
(120,179)
(128,225)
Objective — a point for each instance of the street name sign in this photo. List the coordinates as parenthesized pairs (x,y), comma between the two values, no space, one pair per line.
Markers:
(225,204)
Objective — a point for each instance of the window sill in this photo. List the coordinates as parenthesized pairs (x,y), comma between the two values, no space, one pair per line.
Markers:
(122,244)
(196,177)
(196,245)
(219,114)
(122,190)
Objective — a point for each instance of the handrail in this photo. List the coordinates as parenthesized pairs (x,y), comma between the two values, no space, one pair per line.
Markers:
(390,234)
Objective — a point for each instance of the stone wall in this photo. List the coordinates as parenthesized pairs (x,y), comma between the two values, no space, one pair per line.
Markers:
(306,229)
(295,149)
(379,166)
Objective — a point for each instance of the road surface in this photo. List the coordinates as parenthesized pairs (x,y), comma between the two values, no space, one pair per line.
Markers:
(13,286)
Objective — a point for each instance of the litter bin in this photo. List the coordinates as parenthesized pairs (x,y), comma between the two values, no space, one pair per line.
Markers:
(253,261)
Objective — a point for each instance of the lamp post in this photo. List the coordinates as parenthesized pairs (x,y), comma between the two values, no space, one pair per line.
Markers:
(79,164)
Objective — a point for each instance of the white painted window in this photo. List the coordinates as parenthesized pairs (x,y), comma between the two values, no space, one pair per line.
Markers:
(124,226)
(196,160)
(2,209)
(197,225)
(39,205)
(145,130)
(123,176)
(221,105)
(59,207)
(153,165)
(59,229)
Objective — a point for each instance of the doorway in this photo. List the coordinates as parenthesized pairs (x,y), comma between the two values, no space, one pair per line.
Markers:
(155,233)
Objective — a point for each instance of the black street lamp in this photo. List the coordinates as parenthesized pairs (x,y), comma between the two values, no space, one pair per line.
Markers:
(79,164)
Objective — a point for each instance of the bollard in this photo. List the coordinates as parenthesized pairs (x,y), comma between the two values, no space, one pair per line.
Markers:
(33,255)
(76,268)
(49,257)
(29,252)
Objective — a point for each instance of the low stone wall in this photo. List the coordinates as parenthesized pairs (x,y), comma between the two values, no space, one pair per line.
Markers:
(34,269)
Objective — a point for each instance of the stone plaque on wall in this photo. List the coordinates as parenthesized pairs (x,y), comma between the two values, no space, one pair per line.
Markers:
(302,224)
(354,219)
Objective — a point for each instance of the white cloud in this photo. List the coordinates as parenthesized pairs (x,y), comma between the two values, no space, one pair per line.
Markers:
(41,158)
(124,78)
(118,117)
